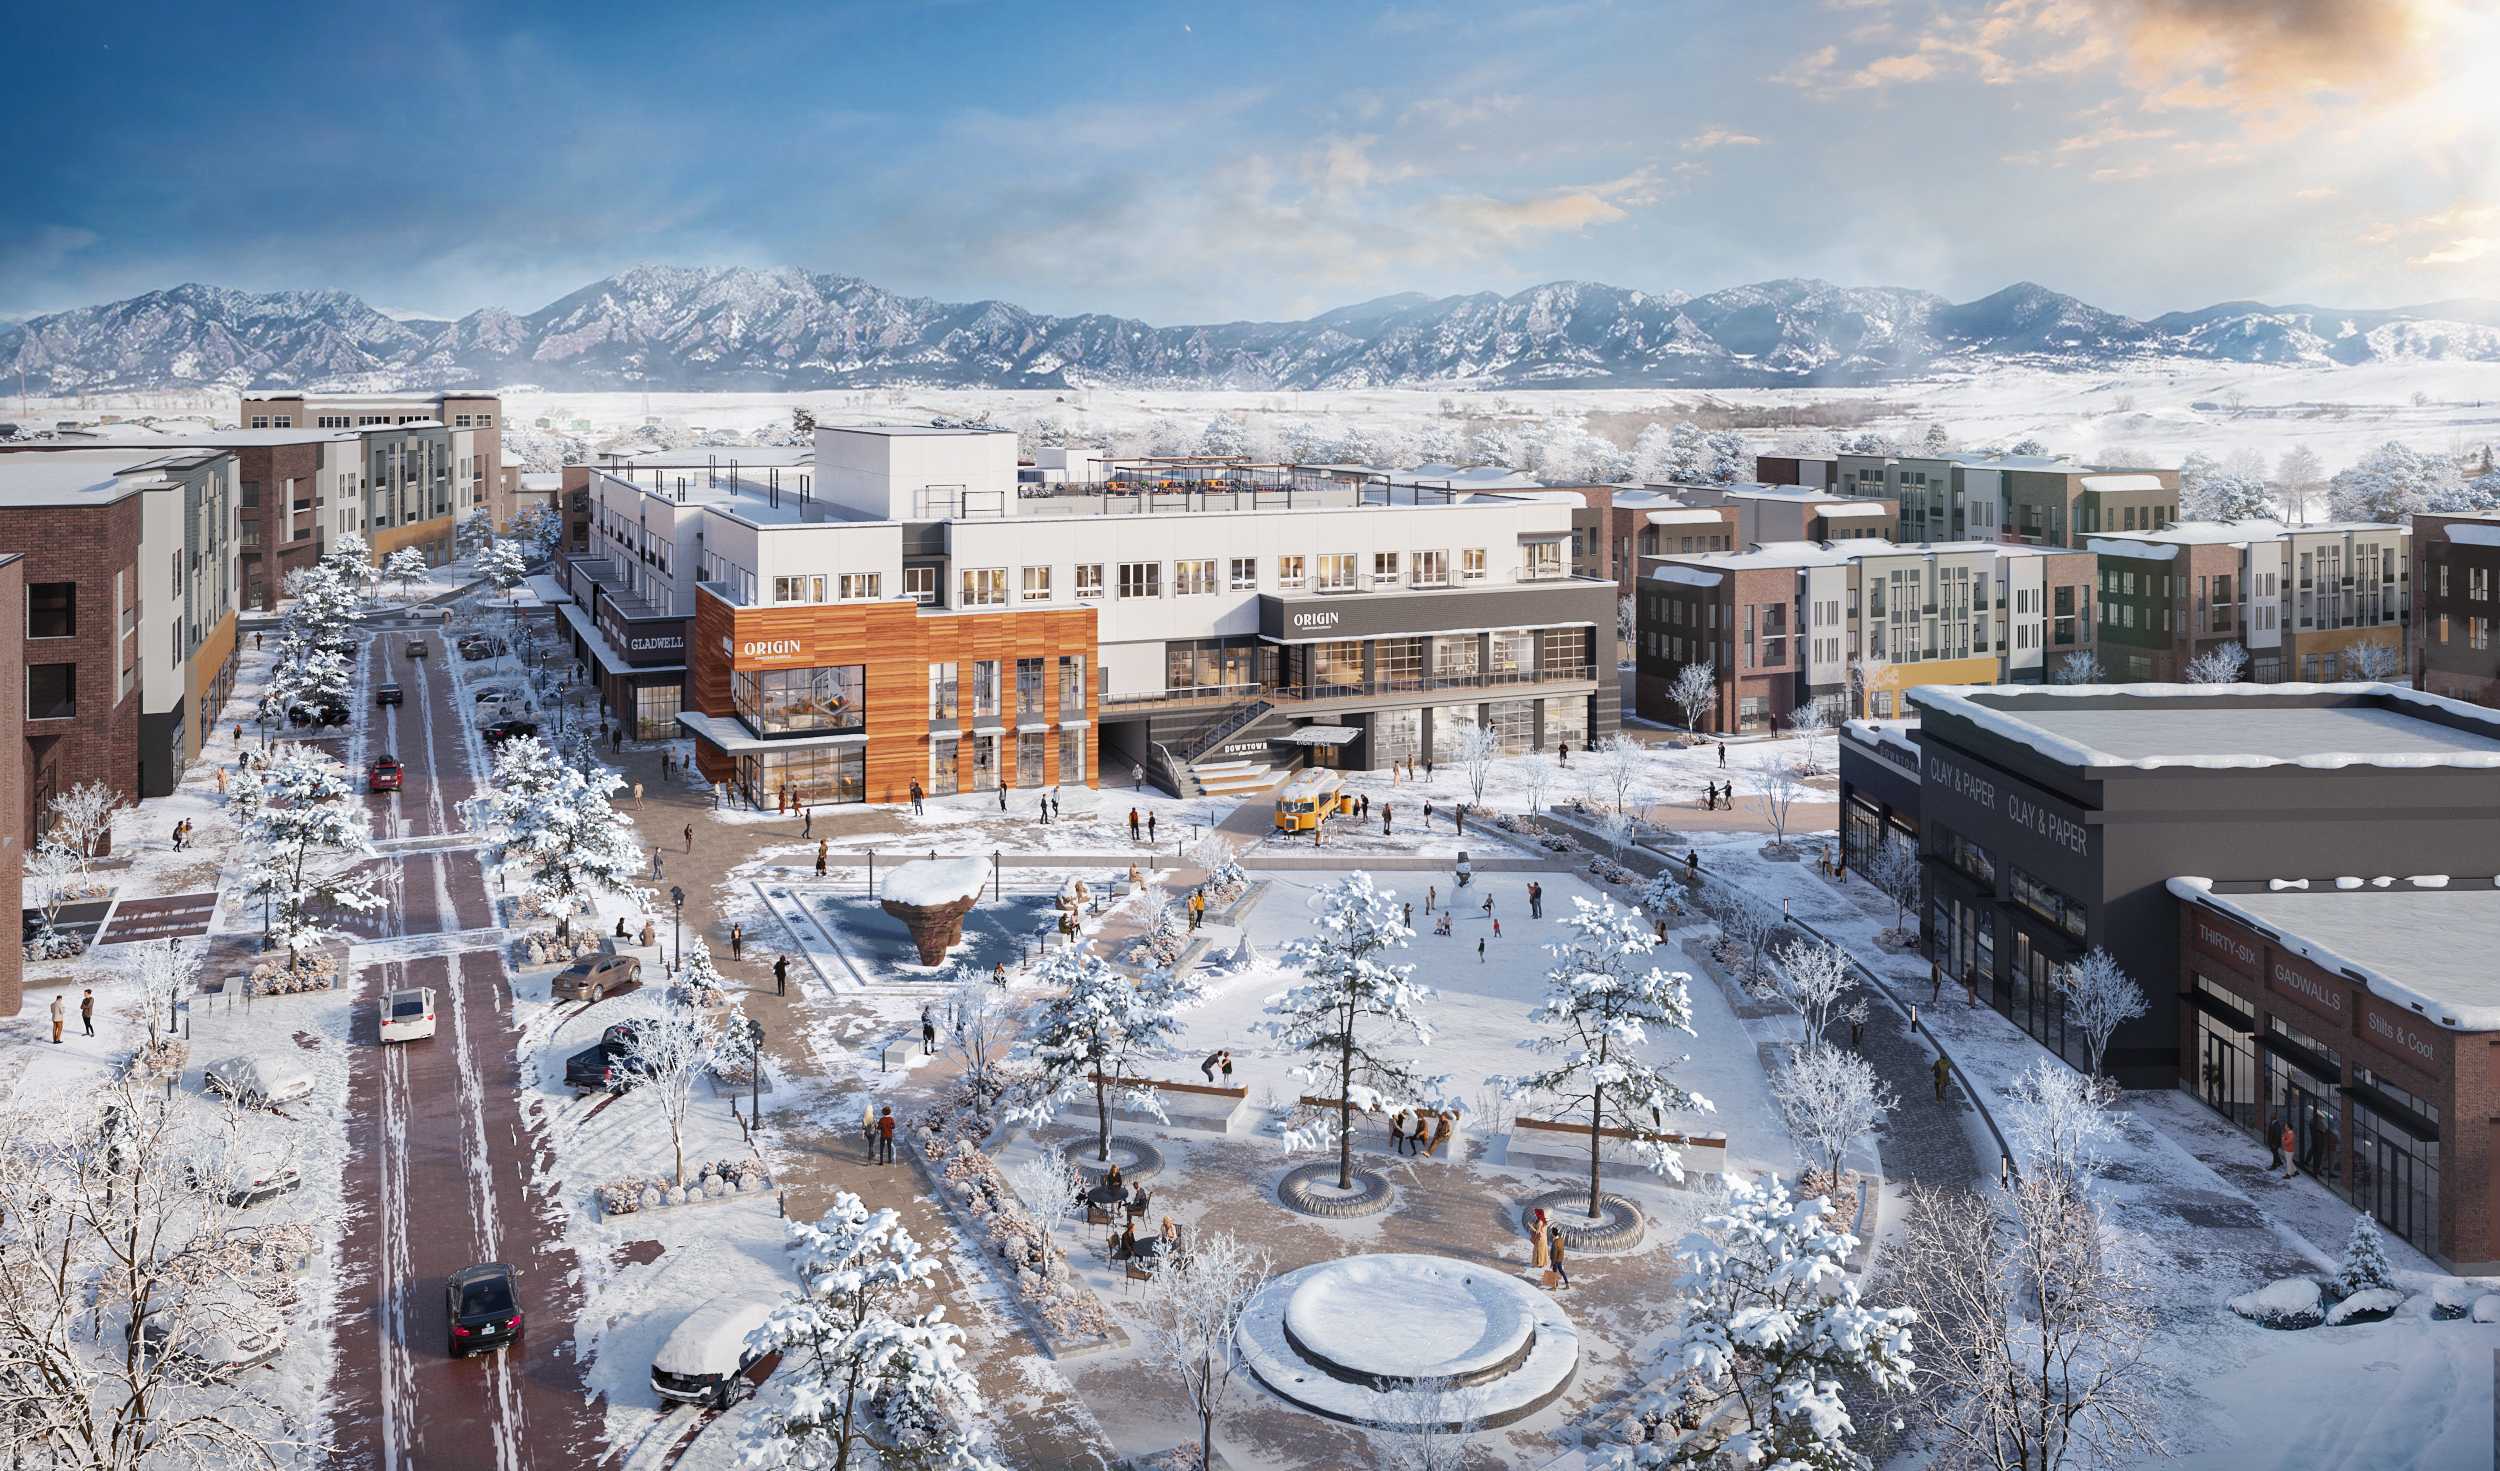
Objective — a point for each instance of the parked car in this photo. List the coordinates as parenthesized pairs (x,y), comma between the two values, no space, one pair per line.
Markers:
(604,1066)
(483,1304)
(495,704)
(706,1360)
(504,730)
(329,712)
(215,1337)
(416,648)
(408,1016)
(594,976)
(388,694)
(257,1082)
(262,1175)
(480,646)
(385,774)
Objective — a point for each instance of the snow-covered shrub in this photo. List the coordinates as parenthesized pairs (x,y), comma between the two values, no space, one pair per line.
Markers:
(1226,881)
(2287,1302)
(2486,1308)
(311,972)
(160,1059)
(1021,1239)
(2453,1297)
(2365,1267)
(2370,1305)
(1166,933)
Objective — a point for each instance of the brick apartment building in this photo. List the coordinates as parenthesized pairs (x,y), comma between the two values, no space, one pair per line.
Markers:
(12,763)
(2456,564)
(427,461)
(1654,521)
(2034,499)
(2314,604)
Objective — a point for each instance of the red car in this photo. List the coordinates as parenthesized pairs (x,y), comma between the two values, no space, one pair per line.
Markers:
(385,775)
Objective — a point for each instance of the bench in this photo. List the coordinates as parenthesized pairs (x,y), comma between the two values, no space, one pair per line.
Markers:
(1198,1107)
(1372,1126)
(1551,1144)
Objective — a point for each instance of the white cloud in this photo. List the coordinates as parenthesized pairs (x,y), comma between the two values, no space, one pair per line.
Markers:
(2457,252)
(2315,192)
(1717,137)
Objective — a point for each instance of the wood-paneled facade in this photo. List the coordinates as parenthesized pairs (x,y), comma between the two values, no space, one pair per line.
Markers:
(896,643)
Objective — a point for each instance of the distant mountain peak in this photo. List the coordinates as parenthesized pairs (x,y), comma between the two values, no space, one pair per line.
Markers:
(659,326)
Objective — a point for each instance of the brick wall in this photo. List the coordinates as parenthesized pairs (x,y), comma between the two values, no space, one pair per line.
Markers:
(12,762)
(85,545)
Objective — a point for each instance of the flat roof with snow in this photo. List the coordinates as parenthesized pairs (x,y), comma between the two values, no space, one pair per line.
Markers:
(2423,941)
(2152,726)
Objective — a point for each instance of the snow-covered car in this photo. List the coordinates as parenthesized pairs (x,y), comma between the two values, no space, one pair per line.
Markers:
(257,1082)
(262,1175)
(407,1016)
(212,1338)
(498,704)
(706,1360)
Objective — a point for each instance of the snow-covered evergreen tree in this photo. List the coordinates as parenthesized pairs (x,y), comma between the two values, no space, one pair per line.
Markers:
(859,1367)
(561,833)
(2222,496)
(1726,458)
(2028,449)
(406,568)
(1351,1006)
(2391,483)
(2366,1267)
(1936,442)
(1603,998)
(311,833)
(351,561)
(1098,1025)
(1771,1327)
(503,563)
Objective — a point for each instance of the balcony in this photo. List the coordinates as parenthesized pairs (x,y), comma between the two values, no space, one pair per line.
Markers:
(1519,682)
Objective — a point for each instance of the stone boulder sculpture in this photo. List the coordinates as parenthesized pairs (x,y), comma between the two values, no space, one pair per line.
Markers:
(931,896)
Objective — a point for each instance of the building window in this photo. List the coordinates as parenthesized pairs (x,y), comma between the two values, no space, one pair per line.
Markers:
(789,701)
(1384,569)
(1471,564)
(942,691)
(810,774)
(51,691)
(1031,753)
(1429,569)
(2226,1052)
(984,688)
(1072,758)
(1245,574)
(943,777)
(2395,1157)
(655,711)
(1193,577)
(799,589)
(1563,653)
(1337,572)
(1141,579)
(1029,689)
(855,586)
(1036,584)
(52,610)
(985,763)
(984,587)
(920,584)
(1088,580)
(1071,686)
(1540,559)
(1289,571)
(1398,664)
(2304,1088)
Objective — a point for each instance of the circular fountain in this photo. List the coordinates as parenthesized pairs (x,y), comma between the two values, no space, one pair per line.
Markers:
(1407,1341)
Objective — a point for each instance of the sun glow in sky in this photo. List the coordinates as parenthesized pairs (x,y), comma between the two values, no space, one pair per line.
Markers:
(1182,163)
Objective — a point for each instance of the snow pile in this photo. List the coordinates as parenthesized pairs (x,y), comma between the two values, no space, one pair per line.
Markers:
(712,1339)
(929,882)
(2487,1308)
(2287,1302)
(1409,1317)
(2366,1307)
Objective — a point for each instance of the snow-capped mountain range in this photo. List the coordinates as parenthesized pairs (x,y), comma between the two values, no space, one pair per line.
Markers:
(668,328)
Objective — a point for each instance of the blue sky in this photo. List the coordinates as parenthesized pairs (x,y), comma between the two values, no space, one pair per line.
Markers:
(1204,163)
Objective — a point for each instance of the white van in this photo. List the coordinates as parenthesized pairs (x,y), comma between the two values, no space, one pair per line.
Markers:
(706,1359)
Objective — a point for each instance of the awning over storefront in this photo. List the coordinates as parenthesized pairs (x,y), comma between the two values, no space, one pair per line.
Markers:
(730,736)
(546,589)
(604,651)
(1321,735)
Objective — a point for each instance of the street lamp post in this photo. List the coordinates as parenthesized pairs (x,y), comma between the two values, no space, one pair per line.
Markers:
(677,925)
(755,1070)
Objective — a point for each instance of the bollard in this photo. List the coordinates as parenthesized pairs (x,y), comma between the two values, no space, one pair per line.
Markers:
(881,1051)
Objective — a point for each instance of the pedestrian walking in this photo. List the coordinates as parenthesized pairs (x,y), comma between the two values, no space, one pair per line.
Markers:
(807,824)
(1133,823)
(928,1031)
(1536,901)
(2274,1144)
(1150,828)
(1432,896)
(1427,768)
(616,739)
(885,1135)
(221,781)
(1537,1247)
(2285,1143)
(86,1011)
(1387,810)
(655,860)
(1497,929)
(690,837)
(820,857)
(1137,777)
(1723,755)
(1692,863)
(60,1019)
(1554,1247)
(1944,1075)
(1408,917)
(916,810)
(1857,1036)
(1427,817)
(1479,949)
(737,942)
(256,640)
(781,976)
(1458,819)
(638,796)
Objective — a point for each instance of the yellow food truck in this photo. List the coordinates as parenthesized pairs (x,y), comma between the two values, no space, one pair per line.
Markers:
(1310,798)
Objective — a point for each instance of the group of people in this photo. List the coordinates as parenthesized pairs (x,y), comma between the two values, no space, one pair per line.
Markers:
(1429,1133)
(1545,1246)
(1715,797)
(1133,827)
(2291,1155)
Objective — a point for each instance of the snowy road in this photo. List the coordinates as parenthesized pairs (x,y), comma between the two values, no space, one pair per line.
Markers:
(442,1167)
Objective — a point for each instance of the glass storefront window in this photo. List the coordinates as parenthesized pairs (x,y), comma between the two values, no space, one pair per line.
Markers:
(2395,1157)
(815,701)
(1029,749)
(1456,655)
(1567,721)
(1398,663)
(655,710)
(1513,723)
(1071,686)
(1072,758)
(1338,665)
(985,763)
(984,687)
(1450,724)
(2305,1097)
(1397,735)
(1029,689)
(1511,650)
(1564,653)
(811,774)
(2226,1054)
(943,781)
(942,690)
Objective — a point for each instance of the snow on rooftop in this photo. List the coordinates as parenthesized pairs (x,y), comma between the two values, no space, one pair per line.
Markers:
(1853,510)
(1686,576)
(1793,554)
(2424,943)
(1686,516)
(2150,727)
(2474,533)
(2123,482)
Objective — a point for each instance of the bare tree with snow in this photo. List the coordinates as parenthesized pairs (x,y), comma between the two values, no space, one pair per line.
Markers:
(2080,667)
(1627,626)
(1810,724)
(1695,691)
(1193,1322)
(1443,1417)
(1872,675)
(51,876)
(671,1050)
(1621,763)
(1478,748)
(2374,661)
(1097,1027)
(2058,1121)
(1769,1328)
(82,820)
(162,975)
(1816,981)
(2222,664)
(979,1032)
(1780,784)
(859,1366)
(1536,779)
(2100,998)
(308,823)
(1349,1008)
(1744,928)
(1894,868)
(1602,1000)
(1831,1099)
(2299,480)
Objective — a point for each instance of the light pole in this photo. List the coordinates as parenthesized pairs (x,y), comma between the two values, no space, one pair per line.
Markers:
(677,924)
(755,1070)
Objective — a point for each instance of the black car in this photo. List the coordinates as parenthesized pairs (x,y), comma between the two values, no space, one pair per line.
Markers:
(388,694)
(329,712)
(416,648)
(504,730)
(604,1067)
(483,1304)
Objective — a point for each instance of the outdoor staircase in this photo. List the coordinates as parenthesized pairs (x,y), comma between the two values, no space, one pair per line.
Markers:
(1233,777)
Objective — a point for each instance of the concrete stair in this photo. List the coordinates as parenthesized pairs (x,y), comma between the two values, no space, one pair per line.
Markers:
(1234,778)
